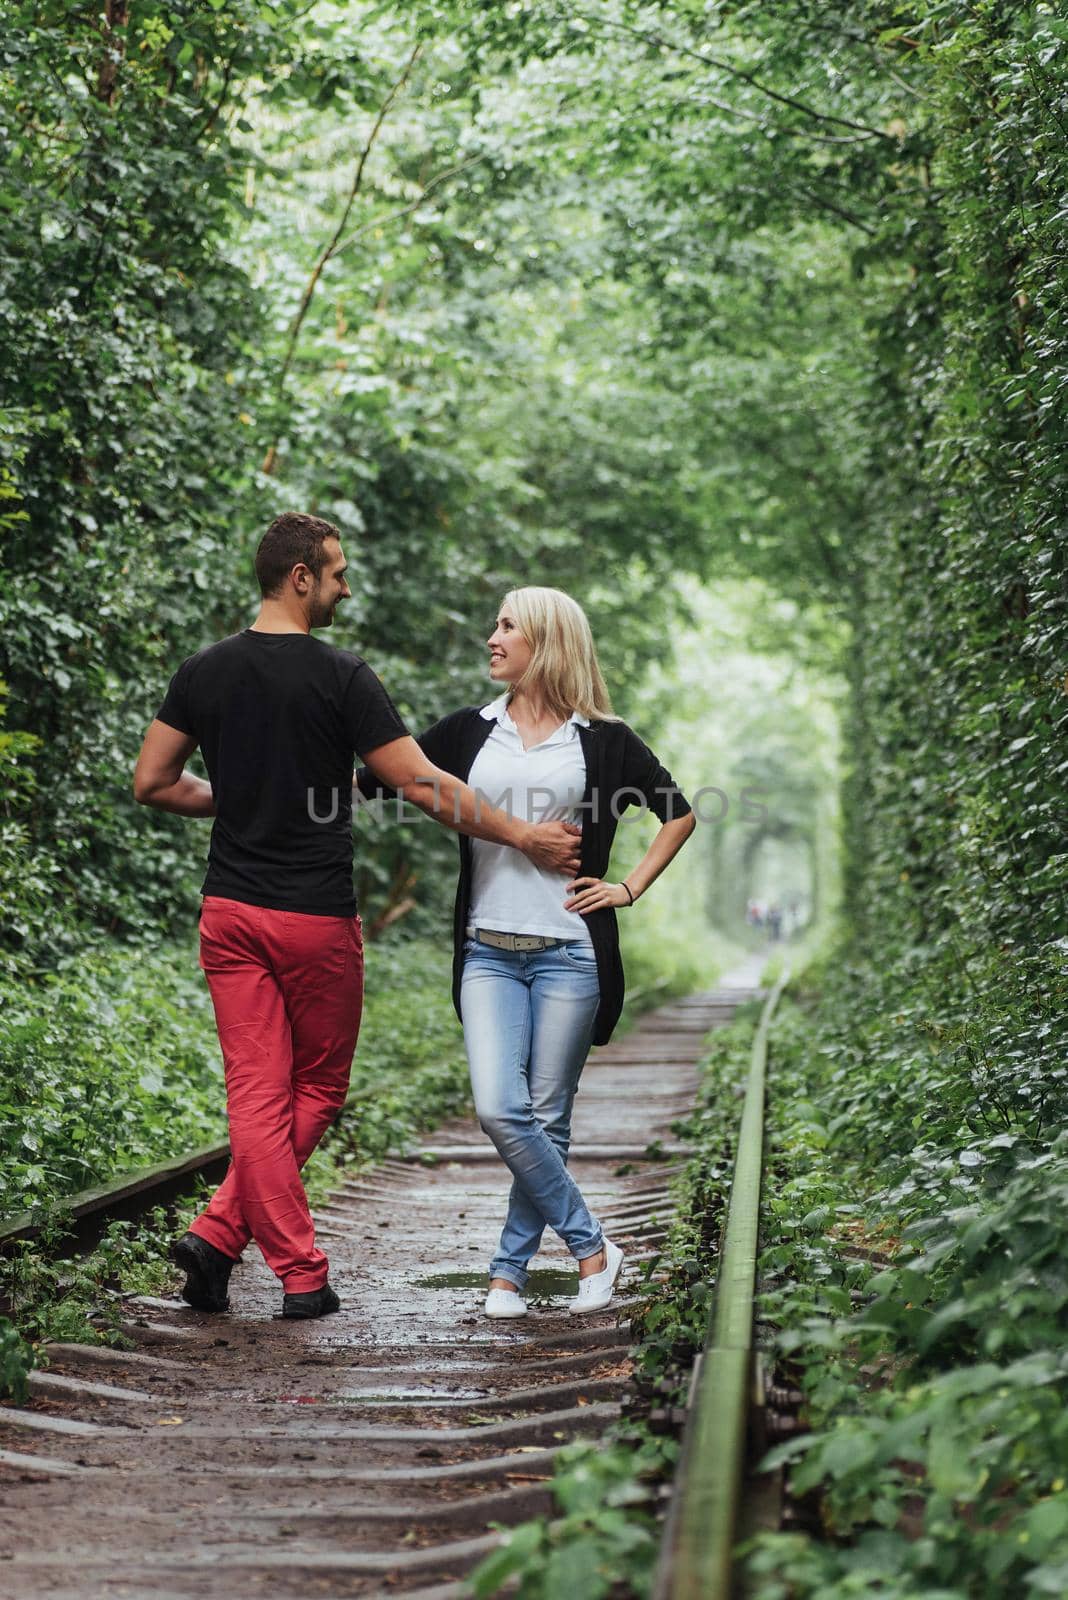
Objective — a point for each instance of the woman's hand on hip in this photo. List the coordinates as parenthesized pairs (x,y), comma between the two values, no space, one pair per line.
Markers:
(591,894)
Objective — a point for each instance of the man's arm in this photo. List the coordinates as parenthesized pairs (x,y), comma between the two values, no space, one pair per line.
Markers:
(159,779)
(553,846)
(435,742)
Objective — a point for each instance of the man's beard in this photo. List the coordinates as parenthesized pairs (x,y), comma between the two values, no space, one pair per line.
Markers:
(322,615)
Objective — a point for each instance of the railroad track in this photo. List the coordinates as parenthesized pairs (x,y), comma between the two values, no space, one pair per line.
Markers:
(368,1453)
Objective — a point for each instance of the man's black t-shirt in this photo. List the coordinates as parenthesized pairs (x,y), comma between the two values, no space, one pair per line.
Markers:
(278,717)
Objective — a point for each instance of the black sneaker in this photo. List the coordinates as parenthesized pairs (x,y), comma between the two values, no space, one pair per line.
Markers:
(208,1272)
(316,1303)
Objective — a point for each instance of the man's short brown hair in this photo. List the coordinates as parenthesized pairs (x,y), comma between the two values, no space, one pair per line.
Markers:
(292,537)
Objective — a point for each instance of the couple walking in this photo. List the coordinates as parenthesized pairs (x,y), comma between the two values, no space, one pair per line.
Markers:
(537,977)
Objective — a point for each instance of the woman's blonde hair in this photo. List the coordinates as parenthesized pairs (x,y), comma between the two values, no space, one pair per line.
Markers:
(564,670)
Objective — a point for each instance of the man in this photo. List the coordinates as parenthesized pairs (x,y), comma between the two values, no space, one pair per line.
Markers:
(278,717)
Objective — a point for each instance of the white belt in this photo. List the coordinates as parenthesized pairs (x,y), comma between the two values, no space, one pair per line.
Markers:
(513,941)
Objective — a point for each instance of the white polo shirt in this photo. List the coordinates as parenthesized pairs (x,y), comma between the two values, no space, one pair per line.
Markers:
(543,784)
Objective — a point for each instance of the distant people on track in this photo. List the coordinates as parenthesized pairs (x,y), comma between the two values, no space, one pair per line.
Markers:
(278,717)
(777,921)
(537,974)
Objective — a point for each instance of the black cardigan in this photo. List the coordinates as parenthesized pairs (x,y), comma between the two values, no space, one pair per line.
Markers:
(620,771)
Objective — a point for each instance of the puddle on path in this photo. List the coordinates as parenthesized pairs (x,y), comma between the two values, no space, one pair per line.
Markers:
(387,1396)
(413,1367)
(367,1396)
(541,1282)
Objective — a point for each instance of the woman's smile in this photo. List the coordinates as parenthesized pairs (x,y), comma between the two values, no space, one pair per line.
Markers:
(509,649)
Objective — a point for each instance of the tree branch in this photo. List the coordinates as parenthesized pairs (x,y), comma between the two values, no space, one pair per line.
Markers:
(213,115)
(335,239)
(787,133)
(837,211)
(72,103)
(116,16)
(393,216)
(399,901)
(739,72)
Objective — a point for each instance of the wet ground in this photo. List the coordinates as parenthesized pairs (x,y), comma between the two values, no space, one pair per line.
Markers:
(371,1452)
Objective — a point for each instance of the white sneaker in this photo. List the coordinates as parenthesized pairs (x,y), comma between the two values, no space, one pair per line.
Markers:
(595,1291)
(505,1303)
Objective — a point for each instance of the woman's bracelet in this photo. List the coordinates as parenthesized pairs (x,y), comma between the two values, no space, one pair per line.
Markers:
(630,897)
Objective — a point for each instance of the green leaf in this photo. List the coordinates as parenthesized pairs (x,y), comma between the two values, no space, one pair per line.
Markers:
(576,1569)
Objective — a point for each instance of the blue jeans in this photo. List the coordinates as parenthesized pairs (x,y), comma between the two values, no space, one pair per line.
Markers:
(528,1026)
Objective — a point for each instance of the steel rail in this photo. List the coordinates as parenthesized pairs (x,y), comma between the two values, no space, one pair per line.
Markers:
(697,1549)
(83,1217)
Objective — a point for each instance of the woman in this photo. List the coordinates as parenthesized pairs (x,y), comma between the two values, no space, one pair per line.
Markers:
(537,975)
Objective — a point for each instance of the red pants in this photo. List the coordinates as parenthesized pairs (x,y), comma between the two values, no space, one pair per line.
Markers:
(287,988)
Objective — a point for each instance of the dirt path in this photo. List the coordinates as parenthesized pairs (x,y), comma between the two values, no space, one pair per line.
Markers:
(367,1453)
